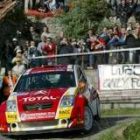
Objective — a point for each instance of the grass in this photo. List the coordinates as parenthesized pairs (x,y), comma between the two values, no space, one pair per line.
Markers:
(131,129)
(121,111)
(132,132)
(108,136)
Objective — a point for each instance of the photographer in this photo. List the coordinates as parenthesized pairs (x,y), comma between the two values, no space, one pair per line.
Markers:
(32,52)
(84,59)
(65,48)
(97,44)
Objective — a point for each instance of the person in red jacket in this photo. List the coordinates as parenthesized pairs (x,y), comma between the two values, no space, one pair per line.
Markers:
(97,44)
(49,48)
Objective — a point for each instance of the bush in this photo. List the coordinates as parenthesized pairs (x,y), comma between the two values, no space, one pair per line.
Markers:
(83,15)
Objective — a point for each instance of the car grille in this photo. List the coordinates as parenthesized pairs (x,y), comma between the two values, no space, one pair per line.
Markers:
(37,106)
(38,124)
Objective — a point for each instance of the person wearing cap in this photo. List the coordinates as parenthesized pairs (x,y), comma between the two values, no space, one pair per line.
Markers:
(19,68)
(15,44)
(14,39)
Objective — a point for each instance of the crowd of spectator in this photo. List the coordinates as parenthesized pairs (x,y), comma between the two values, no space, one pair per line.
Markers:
(44,5)
(124,9)
(31,43)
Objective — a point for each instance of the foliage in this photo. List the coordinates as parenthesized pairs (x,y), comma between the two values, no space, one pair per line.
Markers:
(83,15)
(108,23)
(16,16)
(14,20)
(132,132)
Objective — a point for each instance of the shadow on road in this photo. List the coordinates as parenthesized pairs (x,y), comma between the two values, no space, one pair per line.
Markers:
(100,126)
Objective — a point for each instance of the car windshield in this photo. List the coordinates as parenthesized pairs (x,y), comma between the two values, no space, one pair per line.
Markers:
(46,80)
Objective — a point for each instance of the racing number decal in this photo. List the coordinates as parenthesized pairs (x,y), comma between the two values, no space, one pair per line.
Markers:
(11,117)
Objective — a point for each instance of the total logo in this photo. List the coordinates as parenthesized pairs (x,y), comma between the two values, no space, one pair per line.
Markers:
(39,98)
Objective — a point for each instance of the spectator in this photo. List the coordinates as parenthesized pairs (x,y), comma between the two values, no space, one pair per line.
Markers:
(83,60)
(65,48)
(75,48)
(32,52)
(17,49)
(129,26)
(41,44)
(19,68)
(122,12)
(114,4)
(50,4)
(103,34)
(89,37)
(59,38)
(46,32)
(15,42)
(131,42)
(96,45)
(8,82)
(28,4)
(137,30)
(18,55)
(49,48)
(131,7)
(33,34)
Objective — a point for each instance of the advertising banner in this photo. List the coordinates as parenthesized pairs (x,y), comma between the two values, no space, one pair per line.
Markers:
(119,77)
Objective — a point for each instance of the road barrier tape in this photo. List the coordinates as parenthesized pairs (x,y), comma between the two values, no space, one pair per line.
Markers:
(87,53)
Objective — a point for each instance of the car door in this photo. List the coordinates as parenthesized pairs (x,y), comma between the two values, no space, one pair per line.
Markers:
(90,93)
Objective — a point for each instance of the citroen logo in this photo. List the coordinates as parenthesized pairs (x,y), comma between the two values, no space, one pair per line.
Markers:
(38,107)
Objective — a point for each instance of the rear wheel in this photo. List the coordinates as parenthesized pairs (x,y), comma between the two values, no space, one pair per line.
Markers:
(88,120)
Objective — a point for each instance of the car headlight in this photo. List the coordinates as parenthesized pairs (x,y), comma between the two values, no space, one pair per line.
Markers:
(67,101)
(11,106)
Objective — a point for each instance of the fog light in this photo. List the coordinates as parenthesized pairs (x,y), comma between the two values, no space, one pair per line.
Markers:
(64,121)
(13,125)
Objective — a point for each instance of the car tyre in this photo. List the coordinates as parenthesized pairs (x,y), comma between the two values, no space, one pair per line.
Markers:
(97,117)
(88,120)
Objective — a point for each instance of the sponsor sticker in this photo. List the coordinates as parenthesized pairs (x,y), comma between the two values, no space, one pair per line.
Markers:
(64,112)
(11,117)
(43,115)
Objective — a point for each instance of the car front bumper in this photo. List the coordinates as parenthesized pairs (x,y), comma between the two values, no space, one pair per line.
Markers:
(59,125)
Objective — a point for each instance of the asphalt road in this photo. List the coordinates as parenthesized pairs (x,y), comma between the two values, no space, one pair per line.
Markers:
(99,128)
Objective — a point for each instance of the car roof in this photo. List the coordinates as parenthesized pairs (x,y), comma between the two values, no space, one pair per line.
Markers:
(50,69)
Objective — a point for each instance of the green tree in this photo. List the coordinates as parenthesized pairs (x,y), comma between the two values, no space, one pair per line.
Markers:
(83,14)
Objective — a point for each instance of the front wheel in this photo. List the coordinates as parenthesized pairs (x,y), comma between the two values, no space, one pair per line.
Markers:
(88,120)
(97,117)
